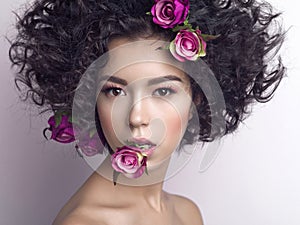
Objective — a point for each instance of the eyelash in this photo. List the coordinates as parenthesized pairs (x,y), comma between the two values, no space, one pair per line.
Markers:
(111,87)
(171,90)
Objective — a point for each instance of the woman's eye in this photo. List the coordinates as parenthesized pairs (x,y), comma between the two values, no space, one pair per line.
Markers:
(114,92)
(163,91)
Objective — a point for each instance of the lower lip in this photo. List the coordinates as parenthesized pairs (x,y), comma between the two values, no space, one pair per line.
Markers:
(149,151)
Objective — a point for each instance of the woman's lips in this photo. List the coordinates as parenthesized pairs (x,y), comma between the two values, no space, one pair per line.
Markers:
(141,141)
(144,145)
(148,151)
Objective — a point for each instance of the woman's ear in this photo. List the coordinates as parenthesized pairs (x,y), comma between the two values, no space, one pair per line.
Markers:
(197,99)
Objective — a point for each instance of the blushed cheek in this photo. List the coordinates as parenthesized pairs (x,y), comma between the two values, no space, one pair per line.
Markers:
(171,138)
(181,117)
(175,127)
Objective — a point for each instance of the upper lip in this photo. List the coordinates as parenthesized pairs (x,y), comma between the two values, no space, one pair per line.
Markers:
(141,141)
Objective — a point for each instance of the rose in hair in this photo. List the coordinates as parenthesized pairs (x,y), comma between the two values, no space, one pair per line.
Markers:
(61,129)
(130,161)
(90,143)
(188,45)
(169,13)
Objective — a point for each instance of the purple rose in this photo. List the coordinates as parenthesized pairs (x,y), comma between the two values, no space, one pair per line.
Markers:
(129,161)
(188,45)
(62,132)
(90,145)
(169,13)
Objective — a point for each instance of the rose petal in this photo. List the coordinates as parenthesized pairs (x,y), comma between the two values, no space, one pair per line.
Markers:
(174,52)
(65,135)
(62,132)
(137,174)
(187,45)
(51,121)
(90,146)
(129,161)
(169,13)
(89,151)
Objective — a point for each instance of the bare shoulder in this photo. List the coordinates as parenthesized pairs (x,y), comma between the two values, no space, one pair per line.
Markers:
(77,215)
(187,210)
(77,219)
(72,220)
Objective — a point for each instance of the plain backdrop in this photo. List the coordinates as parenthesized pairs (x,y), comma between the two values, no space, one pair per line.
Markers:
(254,180)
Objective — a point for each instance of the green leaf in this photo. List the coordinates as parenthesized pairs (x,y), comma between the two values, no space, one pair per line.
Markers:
(135,145)
(186,21)
(208,37)
(74,120)
(166,47)
(148,13)
(146,170)
(175,29)
(183,27)
(58,119)
(70,119)
(92,132)
(178,28)
(64,113)
(115,176)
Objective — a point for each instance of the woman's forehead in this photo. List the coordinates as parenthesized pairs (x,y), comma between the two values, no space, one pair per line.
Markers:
(150,71)
(124,53)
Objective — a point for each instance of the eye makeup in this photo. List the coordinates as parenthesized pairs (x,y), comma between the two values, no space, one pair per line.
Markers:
(112,90)
(164,90)
(164,86)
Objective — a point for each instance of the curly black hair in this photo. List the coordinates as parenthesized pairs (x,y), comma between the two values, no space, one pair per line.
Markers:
(57,41)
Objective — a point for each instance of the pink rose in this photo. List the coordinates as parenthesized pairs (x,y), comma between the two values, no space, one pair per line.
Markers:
(188,45)
(90,144)
(169,13)
(61,132)
(129,161)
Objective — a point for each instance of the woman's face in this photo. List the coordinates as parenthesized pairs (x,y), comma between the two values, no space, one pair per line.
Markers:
(144,102)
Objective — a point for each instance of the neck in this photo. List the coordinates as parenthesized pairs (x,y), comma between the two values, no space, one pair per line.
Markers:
(156,174)
(147,188)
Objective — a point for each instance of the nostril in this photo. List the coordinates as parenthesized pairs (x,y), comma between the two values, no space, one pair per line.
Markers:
(139,115)
(138,120)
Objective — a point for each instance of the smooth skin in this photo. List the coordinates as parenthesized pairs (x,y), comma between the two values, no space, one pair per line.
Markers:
(98,201)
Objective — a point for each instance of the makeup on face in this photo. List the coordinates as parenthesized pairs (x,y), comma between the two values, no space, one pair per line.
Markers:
(144,98)
(150,108)
(162,86)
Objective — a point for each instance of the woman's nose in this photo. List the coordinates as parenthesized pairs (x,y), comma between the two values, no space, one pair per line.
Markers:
(139,114)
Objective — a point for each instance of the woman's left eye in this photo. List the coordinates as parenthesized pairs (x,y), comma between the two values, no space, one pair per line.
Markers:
(113,91)
(163,91)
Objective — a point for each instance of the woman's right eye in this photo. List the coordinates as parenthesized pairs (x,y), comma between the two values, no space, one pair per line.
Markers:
(114,92)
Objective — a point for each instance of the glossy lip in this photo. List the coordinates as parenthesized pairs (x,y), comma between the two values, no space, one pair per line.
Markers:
(141,141)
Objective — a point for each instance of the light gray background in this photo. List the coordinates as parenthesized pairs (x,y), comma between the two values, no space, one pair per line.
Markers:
(254,180)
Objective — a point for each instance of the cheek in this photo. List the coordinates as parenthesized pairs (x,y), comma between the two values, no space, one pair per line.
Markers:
(174,128)
(172,117)
(179,112)
(175,120)
(177,124)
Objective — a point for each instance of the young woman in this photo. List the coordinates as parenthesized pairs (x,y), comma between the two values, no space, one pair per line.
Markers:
(134,81)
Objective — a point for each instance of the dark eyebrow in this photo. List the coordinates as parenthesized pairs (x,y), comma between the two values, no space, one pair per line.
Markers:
(164,79)
(150,82)
(117,80)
